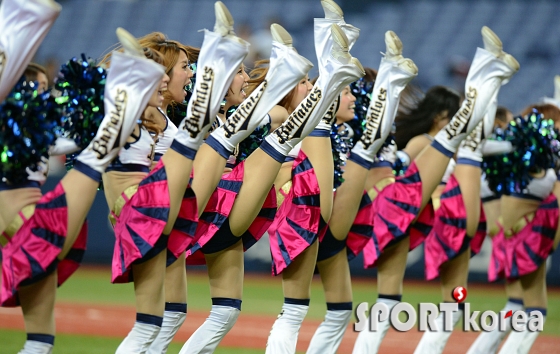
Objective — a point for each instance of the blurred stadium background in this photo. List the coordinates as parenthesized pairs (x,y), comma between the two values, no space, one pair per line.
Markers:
(440,36)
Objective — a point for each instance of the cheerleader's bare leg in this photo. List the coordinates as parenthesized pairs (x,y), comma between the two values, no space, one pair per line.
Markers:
(488,342)
(394,74)
(454,272)
(489,68)
(138,77)
(534,299)
(260,170)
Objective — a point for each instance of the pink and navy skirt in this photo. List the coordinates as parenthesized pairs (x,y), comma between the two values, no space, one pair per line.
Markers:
(529,248)
(397,215)
(298,222)
(449,238)
(213,233)
(140,224)
(497,264)
(184,229)
(31,252)
(361,231)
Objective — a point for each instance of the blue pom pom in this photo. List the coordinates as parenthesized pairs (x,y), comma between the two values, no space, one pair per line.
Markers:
(536,148)
(340,147)
(361,89)
(28,122)
(80,89)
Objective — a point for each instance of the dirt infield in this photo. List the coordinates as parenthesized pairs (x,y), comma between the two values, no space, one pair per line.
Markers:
(251,331)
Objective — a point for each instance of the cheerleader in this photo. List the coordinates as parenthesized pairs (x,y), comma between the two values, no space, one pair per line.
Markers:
(332,261)
(488,342)
(36,73)
(528,223)
(398,207)
(43,237)
(306,190)
(145,207)
(211,239)
(176,60)
(248,190)
(459,226)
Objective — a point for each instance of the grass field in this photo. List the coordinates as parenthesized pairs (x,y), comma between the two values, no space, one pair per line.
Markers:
(262,296)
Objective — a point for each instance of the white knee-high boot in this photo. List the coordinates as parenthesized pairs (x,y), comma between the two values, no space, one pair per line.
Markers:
(222,317)
(489,68)
(173,318)
(340,70)
(488,342)
(284,334)
(38,344)
(143,333)
(328,336)
(368,342)
(433,342)
(23,26)
(522,341)
(286,68)
(130,82)
(395,72)
(220,56)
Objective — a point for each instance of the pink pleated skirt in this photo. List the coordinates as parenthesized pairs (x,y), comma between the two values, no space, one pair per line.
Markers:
(395,209)
(140,224)
(449,238)
(30,254)
(212,223)
(298,222)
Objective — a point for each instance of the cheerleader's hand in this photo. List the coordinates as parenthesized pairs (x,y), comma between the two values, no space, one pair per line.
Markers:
(295,151)
(541,187)
(403,157)
(389,153)
(485,191)
(40,175)
(448,171)
(495,147)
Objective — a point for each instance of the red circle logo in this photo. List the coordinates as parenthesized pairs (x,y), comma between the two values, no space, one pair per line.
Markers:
(459,294)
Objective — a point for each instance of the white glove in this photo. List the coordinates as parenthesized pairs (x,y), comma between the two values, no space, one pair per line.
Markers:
(542,187)
(485,191)
(403,156)
(495,147)
(389,153)
(295,151)
(41,174)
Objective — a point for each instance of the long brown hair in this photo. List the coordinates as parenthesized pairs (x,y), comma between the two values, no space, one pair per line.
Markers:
(149,122)
(420,119)
(257,76)
(549,111)
(33,70)
(169,50)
